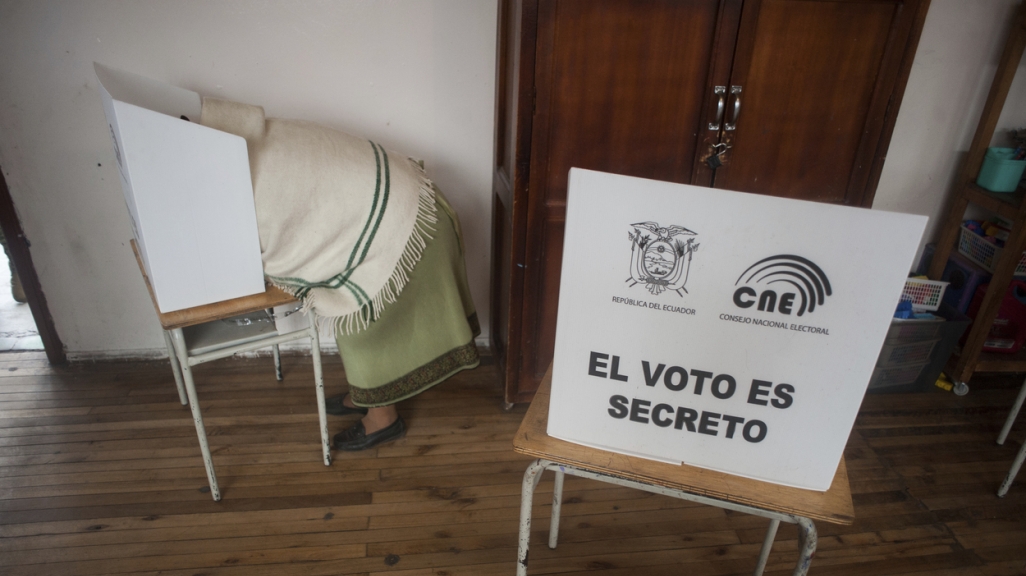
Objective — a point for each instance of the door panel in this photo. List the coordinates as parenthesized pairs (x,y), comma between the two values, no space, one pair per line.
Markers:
(621,87)
(811,75)
(626,87)
(537,363)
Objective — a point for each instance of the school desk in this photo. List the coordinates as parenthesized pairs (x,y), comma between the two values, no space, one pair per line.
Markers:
(213,331)
(773,501)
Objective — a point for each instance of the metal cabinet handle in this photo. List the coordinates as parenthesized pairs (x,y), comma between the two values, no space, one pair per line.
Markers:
(721,103)
(735,91)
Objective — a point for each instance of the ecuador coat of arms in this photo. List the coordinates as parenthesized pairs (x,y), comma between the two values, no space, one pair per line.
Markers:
(661,256)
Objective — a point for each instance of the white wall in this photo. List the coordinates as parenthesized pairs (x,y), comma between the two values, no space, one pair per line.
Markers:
(417,77)
(957,57)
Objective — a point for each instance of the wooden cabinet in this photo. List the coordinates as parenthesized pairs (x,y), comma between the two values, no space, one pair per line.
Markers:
(799,95)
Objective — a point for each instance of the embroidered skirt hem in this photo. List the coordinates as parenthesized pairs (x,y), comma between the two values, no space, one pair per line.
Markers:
(426,335)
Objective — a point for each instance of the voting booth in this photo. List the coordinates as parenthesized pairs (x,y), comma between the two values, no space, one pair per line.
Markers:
(729,331)
(188,191)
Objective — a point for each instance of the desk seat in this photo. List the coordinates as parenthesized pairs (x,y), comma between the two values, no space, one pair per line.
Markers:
(233,331)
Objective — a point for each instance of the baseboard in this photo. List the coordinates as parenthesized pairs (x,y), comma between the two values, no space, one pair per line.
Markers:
(118,356)
(290,348)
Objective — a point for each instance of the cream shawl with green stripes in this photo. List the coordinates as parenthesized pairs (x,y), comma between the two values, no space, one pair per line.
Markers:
(342,221)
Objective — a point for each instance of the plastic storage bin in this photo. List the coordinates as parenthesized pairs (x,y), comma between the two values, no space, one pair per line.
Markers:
(912,330)
(1000,171)
(924,294)
(888,377)
(943,334)
(983,253)
(912,353)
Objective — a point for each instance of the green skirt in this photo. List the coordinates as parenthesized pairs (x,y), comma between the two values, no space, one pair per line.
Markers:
(423,337)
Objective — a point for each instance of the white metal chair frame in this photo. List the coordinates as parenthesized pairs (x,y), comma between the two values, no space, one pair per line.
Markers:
(807,535)
(182,361)
(1017,463)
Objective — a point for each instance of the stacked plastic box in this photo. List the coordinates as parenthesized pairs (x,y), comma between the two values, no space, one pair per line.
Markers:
(915,351)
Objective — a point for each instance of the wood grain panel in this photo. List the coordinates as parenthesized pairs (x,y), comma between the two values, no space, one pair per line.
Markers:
(816,77)
(514,123)
(502,262)
(620,88)
(626,87)
(540,349)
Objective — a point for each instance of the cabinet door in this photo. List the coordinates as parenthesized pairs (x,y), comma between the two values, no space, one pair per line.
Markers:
(815,81)
(621,86)
(629,87)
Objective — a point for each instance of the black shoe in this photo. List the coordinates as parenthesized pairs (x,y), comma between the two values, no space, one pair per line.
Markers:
(356,438)
(336,406)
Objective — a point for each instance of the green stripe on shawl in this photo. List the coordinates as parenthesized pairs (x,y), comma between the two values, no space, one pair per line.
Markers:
(377,212)
(370,216)
(384,201)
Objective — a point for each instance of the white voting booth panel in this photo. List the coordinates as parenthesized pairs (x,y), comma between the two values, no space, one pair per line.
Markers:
(188,191)
(729,331)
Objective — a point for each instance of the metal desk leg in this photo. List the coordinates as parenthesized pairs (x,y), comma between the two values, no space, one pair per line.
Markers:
(315,352)
(277,353)
(1016,464)
(807,540)
(175,368)
(767,545)
(557,504)
(807,536)
(190,387)
(277,363)
(531,477)
(1012,414)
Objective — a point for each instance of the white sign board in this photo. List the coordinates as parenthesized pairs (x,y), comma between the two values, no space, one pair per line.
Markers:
(724,330)
(188,192)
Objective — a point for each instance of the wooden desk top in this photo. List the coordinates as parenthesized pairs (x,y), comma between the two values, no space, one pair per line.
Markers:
(270,298)
(833,506)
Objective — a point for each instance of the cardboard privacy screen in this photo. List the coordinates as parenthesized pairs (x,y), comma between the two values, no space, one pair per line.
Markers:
(188,192)
(724,330)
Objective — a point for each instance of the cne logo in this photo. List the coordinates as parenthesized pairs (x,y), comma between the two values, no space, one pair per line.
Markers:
(661,257)
(784,283)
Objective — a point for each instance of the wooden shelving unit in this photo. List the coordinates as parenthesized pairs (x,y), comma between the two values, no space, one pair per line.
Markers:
(1011,206)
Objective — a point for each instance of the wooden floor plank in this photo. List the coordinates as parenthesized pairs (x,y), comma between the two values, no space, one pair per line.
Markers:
(100,474)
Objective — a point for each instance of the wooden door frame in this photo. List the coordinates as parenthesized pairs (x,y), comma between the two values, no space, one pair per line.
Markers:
(894,104)
(18,247)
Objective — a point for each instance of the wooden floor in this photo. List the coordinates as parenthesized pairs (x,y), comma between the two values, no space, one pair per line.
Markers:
(100,473)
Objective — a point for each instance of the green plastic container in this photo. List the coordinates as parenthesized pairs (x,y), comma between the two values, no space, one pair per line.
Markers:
(1000,173)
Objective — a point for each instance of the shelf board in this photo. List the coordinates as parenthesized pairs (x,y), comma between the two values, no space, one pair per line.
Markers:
(1005,204)
(994,362)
